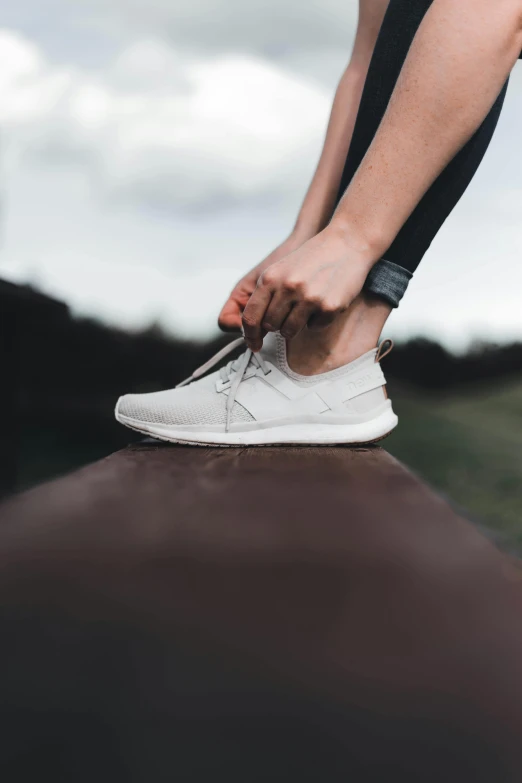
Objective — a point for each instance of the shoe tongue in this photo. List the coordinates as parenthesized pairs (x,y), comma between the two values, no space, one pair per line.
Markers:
(273,349)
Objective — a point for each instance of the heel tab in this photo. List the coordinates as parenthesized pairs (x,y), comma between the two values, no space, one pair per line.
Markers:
(384,349)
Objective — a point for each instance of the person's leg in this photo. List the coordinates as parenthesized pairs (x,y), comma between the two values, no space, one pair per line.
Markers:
(352,334)
(313,352)
(399,27)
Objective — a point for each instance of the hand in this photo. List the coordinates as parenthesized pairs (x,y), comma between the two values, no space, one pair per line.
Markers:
(311,286)
(230,318)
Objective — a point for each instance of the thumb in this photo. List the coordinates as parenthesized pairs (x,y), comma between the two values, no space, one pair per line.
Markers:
(230,316)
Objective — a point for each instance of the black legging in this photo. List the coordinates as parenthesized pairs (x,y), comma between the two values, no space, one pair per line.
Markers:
(389,277)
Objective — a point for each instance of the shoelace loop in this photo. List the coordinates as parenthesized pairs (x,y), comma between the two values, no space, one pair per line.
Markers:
(234,372)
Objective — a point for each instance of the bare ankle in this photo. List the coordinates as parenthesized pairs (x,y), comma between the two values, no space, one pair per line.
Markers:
(352,334)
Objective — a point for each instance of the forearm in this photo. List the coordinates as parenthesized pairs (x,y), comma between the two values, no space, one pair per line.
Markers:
(458,62)
(319,203)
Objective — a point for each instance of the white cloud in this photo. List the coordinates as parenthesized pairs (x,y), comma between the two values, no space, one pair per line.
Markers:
(271,28)
(28,89)
(240,129)
(181,133)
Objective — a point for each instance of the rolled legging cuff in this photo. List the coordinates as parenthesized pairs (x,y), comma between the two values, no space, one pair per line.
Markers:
(389,281)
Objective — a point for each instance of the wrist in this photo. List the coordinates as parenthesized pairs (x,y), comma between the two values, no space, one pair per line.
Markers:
(359,243)
(303,231)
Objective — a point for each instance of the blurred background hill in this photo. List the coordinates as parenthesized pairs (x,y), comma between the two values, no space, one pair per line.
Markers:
(461,416)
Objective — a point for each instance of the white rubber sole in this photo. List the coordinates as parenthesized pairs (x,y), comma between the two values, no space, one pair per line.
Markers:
(289,434)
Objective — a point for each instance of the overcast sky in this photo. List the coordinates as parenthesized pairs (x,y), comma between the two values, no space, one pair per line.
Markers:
(154,150)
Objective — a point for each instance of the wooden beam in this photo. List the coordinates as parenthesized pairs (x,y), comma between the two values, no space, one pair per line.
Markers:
(251,615)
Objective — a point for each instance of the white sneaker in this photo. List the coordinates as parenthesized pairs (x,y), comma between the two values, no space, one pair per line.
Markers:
(258,400)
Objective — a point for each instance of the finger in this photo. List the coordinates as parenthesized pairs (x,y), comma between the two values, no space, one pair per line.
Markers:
(322,319)
(253,317)
(297,320)
(230,316)
(276,312)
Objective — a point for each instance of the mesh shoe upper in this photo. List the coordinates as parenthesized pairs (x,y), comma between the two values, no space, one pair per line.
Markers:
(197,404)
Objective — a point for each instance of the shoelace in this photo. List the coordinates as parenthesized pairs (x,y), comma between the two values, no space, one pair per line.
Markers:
(234,371)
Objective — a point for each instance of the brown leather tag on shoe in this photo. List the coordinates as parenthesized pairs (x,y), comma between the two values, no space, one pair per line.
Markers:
(385,348)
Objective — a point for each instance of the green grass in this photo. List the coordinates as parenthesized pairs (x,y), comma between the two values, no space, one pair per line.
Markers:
(469,446)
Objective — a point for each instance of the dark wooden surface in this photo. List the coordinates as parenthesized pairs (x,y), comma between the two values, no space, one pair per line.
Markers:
(254,615)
